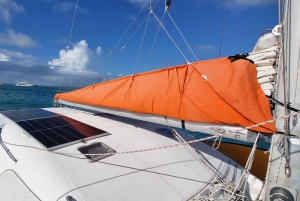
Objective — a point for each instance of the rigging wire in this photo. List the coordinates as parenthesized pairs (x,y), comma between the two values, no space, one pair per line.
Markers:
(93,69)
(182,36)
(67,48)
(131,35)
(141,44)
(130,24)
(125,45)
(171,38)
(118,54)
(224,23)
(153,43)
(113,49)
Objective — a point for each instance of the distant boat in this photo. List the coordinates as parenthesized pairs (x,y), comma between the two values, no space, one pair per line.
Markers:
(1,84)
(25,84)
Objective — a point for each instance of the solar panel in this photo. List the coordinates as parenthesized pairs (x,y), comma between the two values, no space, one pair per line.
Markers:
(26,114)
(53,130)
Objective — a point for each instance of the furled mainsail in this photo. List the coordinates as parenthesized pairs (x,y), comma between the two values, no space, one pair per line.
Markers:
(214,91)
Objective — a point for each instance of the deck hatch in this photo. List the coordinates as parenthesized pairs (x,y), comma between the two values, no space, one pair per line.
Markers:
(96,148)
(53,130)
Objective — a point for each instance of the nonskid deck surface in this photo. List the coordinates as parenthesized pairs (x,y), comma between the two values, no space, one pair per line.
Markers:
(162,174)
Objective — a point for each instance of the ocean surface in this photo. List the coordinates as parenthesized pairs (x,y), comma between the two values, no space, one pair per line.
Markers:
(15,97)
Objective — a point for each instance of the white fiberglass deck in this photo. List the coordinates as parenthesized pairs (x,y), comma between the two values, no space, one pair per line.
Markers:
(165,174)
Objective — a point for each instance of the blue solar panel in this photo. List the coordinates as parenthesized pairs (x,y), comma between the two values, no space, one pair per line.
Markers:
(26,114)
(52,130)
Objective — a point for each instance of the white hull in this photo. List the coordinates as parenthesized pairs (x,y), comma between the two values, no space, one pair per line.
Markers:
(25,84)
(163,174)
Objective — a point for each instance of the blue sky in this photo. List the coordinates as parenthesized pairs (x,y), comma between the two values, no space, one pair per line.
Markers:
(34,35)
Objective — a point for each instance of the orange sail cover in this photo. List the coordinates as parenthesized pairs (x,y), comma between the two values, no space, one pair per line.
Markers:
(214,91)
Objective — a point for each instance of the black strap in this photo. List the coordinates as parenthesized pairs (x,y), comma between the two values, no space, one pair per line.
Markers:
(280,103)
(168,4)
(240,56)
(182,124)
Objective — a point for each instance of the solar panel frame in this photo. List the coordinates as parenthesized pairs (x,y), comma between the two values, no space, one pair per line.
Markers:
(26,114)
(51,130)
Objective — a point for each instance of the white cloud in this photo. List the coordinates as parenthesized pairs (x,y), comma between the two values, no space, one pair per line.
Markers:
(7,9)
(76,58)
(66,6)
(139,3)
(206,48)
(63,6)
(18,58)
(235,5)
(252,3)
(99,50)
(4,57)
(109,73)
(18,55)
(11,38)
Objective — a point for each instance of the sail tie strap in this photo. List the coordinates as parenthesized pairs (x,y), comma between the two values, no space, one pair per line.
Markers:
(280,103)
(240,56)
(168,4)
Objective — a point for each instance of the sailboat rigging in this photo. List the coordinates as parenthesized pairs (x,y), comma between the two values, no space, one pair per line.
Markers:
(117,139)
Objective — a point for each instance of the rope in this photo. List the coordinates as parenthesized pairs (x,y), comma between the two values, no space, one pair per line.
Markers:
(247,168)
(182,36)
(118,56)
(93,69)
(213,146)
(278,169)
(68,44)
(223,28)
(113,49)
(170,38)
(131,24)
(137,58)
(154,42)
(161,147)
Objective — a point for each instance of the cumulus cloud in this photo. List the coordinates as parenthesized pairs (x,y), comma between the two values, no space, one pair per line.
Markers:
(4,57)
(11,38)
(75,59)
(7,9)
(206,48)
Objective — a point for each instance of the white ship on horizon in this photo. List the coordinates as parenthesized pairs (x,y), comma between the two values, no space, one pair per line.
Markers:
(25,84)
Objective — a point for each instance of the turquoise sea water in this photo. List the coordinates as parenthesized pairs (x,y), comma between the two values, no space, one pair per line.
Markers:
(13,97)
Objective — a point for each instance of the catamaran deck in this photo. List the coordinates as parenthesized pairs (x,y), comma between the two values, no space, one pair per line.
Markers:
(162,174)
